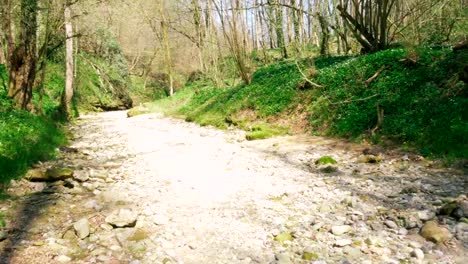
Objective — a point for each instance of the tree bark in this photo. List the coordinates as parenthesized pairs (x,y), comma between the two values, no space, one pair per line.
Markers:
(69,64)
(23,57)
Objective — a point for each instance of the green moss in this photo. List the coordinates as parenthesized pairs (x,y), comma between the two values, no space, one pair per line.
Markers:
(263,131)
(283,237)
(310,256)
(138,235)
(325,160)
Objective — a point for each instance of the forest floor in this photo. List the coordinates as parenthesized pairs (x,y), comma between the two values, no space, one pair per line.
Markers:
(151,189)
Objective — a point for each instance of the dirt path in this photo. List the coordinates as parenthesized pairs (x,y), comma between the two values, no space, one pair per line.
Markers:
(201,195)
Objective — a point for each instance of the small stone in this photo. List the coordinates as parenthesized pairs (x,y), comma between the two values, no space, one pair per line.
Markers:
(415,244)
(283,258)
(390,224)
(122,218)
(340,230)
(3,235)
(63,259)
(81,176)
(370,159)
(352,252)
(417,253)
(82,228)
(317,226)
(403,231)
(103,258)
(435,233)
(426,215)
(343,242)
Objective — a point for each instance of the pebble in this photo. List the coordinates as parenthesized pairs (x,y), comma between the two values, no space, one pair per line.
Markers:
(340,230)
(426,215)
(417,253)
(390,224)
(283,258)
(63,259)
(343,242)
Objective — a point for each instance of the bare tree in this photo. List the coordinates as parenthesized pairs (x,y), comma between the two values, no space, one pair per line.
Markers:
(368,21)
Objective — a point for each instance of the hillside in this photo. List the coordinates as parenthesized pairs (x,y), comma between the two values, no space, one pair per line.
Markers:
(421,95)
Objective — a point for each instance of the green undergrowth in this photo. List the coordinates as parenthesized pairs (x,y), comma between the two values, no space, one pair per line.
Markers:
(420,93)
(421,96)
(25,138)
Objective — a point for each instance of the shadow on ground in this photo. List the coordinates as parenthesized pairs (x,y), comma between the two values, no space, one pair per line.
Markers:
(32,208)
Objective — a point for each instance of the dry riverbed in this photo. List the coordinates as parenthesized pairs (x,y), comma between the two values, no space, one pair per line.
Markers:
(151,189)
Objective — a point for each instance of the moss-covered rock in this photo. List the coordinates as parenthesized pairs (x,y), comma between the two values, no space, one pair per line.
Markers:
(325,160)
(432,231)
(50,175)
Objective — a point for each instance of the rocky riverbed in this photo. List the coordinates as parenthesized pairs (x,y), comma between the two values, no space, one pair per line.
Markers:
(150,189)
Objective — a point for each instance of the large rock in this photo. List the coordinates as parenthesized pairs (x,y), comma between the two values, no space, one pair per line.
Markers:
(432,231)
(122,218)
(82,228)
(50,175)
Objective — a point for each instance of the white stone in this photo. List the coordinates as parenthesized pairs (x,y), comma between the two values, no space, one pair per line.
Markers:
(82,228)
(343,242)
(417,253)
(340,230)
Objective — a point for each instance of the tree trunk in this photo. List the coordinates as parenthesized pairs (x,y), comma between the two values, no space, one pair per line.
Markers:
(23,57)
(69,65)
(324,36)
(167,50)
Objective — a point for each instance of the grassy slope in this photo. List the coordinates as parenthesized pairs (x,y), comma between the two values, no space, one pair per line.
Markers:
(25,138)
(420,91)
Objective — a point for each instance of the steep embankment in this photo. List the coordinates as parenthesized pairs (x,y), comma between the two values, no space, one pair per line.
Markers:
(417,98)
(25,138)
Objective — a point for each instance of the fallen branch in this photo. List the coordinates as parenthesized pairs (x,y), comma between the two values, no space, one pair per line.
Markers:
(373,77)
(306,78)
